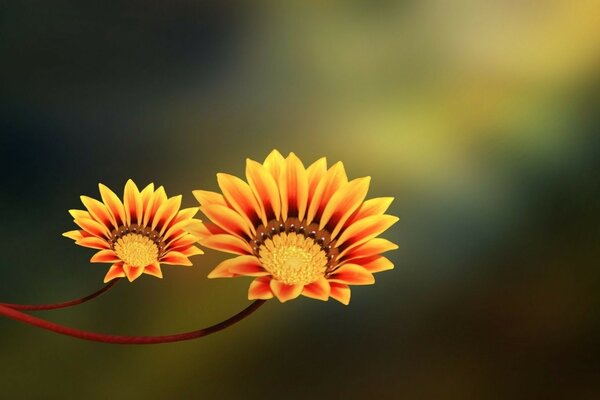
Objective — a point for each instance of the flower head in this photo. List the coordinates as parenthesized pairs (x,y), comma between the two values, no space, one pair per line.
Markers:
(298,231)
(137,234)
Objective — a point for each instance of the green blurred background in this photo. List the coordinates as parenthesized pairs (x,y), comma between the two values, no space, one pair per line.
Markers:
(481,118)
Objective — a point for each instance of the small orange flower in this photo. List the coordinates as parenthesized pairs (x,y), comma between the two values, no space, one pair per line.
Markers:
(297,230)
(138,234)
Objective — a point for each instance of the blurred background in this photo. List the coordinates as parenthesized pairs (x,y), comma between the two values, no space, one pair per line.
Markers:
(480,117)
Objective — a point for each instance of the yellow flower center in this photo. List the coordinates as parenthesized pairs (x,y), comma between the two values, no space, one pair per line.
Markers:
(136,250)
(293,258)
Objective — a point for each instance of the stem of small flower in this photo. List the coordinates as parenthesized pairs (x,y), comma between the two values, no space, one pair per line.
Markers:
(115,339)
(57,306)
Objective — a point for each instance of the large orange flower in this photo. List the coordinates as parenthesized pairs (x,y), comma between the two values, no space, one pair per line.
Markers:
(138,234)
(297,230)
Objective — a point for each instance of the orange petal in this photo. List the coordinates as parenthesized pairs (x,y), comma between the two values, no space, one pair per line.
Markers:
(201,229)
(185,214)
(364,230)
(369,249)
(205,198)
(316,171)
(239,196)
(165,213)
(133,273)
(175,258)
(156,200)
(376,206)
(75,235)
(116,271)
(285,292)
(293,188)
(80,214)
(132,204)
(191,251)
(375,264)
(352,274)
(227,219)
(273,163)
(340,292)
(154,270)
(114,204)
(318,290)
(238,266)
(227,243)
(331,182)
(93,243)
(105,256)
(183,242)
(260,288)
(176,231)
(93,227)
(146,195)
(265,189)
(343,204)
(99,212)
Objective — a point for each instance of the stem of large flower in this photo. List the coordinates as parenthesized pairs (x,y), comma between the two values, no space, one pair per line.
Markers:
(114,339)
(57,306)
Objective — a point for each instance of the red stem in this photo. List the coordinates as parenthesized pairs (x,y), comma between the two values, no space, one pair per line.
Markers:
(57,306)
(113,339)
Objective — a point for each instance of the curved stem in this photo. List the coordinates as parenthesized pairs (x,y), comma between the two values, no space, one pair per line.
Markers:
(57,306)
(114,339)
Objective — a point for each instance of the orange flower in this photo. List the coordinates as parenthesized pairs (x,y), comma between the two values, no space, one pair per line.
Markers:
(135,235)
(296,230)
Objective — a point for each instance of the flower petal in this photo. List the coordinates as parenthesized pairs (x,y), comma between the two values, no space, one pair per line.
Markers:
(260,288)
(340,292)
(239,196)
(93,227)
(293,188)
(146,195)
(132,273)
(343,204)
(76,214)
(331,182)
(316,171)
(376,206)
(105,256)
(205,198)
(116,271)
(156,200)
(183,242)
(319,290)
(369,249)
(364,230)
(132,204)
(191,251)
(165,213)
(265,189)
(285,292)
(227,219)
(99,212)
(154,270)
(227,243)
(114,204)
(352,274)
(175,258)
(375,264)
(75,235)
(93,243)
(273,163)
(238,266)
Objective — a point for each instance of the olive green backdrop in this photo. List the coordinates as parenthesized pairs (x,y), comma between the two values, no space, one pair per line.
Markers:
(479,117)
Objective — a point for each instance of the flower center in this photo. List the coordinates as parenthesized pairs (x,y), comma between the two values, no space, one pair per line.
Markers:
(136,250)
(293,258)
